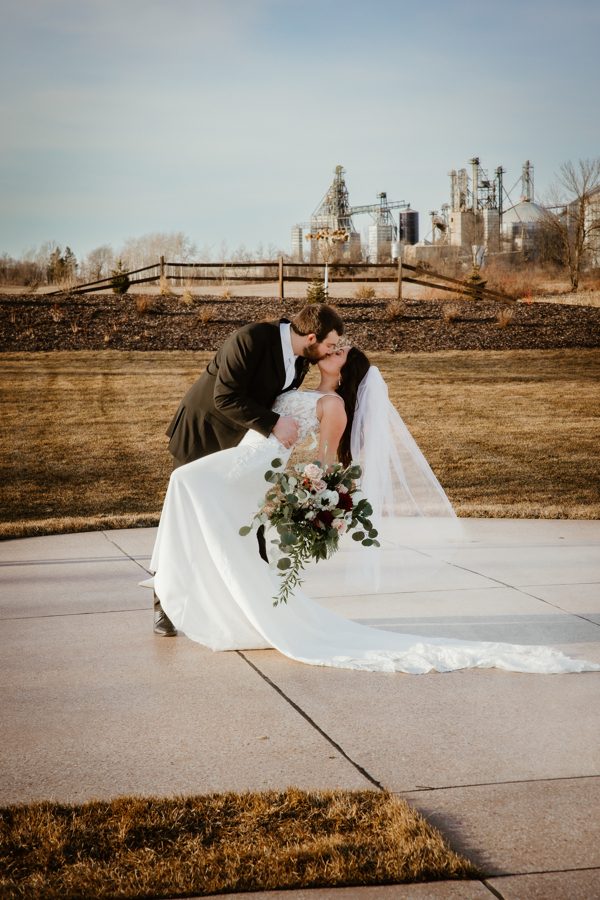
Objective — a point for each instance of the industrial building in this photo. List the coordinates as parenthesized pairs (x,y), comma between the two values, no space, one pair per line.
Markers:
(335,213)
(480,222)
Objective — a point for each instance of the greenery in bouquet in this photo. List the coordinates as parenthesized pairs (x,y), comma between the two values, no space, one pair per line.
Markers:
(311,508)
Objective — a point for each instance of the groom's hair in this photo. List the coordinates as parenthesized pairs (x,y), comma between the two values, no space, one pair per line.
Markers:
(318,319)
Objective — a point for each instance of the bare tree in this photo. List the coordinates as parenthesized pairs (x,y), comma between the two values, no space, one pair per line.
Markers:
(571,222)
(99,262)
(147,249)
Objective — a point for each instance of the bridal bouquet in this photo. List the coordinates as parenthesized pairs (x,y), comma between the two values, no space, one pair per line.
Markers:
(311,509)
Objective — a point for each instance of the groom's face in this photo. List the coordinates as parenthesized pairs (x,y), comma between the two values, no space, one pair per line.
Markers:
(315,350)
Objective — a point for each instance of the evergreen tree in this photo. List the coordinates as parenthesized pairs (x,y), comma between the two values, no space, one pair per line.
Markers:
(120,282)
(69,262)
(315,292)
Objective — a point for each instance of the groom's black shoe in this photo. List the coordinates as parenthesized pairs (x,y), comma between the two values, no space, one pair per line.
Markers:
(162,623)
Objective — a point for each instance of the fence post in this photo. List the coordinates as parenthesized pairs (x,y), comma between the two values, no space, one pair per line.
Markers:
(162,267)
(281,277)
(399,294)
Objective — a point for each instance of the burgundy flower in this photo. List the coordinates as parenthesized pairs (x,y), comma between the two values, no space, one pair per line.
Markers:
(345,502)
(325,518)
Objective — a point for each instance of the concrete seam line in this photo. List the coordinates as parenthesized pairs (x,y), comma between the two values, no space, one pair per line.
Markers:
(519,589)
(126,554)
(304,715)
(458,787)
(545,872)
(492,890)
(94,612)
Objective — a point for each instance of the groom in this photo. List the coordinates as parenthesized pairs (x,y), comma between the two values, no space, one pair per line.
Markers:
(236,391)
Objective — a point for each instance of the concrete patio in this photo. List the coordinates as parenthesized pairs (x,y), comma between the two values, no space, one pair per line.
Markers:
(506,766)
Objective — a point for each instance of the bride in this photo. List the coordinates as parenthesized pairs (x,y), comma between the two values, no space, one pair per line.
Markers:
(215,588)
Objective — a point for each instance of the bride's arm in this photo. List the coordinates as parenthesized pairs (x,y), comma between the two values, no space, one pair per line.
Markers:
(332,413)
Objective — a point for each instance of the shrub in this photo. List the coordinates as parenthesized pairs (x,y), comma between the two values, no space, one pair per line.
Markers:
(120,282)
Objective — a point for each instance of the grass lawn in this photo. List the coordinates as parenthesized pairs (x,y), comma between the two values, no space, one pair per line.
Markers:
(508,433)
(151,847)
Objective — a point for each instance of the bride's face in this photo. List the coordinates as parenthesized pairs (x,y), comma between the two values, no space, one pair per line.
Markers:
(332,365)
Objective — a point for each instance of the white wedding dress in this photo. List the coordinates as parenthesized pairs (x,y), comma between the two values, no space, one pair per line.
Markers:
(217,590)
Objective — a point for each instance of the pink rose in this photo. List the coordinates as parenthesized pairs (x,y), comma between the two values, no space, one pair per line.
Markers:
(340,526)
(313,472)
(318,486)
(342,489)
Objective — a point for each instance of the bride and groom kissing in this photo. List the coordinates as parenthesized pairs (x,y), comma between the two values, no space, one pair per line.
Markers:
(246,410)
(237,390)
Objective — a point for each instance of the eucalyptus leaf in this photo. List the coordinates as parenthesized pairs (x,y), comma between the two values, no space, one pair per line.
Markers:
(358,535)
(373,533)
(284,563)
(337,512)
(288,538)
(376,544)
(276,463)
(367,542)
(292,499)
(269,475)
(244,530)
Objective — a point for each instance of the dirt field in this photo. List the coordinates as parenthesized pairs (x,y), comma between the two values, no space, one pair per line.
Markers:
(150,322)
(512,433)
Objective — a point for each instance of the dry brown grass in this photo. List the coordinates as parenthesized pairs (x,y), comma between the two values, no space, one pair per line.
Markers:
(364,292)
(512,433)
(505,317)
(395,309)
(56,313)
(150,847)
(451,312)
(143,304)
(164,287)
(207,314)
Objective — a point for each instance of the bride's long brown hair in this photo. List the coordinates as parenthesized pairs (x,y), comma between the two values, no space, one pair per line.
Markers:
(351,374)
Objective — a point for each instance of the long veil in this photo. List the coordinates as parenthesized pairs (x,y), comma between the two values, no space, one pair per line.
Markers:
(416,523)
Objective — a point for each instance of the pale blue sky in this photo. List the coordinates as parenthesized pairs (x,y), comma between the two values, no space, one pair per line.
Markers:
(225,119)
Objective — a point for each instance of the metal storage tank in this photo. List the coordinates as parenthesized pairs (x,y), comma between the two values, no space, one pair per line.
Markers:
(409,226)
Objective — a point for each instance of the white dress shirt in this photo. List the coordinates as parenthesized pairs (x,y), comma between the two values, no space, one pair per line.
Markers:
(289,358)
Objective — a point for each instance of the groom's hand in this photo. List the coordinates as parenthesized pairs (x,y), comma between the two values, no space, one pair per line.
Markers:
(286,431)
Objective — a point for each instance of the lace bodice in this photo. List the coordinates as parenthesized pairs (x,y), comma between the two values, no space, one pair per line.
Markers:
(301,405)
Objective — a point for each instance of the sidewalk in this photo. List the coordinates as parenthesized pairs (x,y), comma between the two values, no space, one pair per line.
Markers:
(506,765)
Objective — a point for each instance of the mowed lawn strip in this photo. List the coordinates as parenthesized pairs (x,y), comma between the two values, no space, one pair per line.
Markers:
(152,847)
(83,446)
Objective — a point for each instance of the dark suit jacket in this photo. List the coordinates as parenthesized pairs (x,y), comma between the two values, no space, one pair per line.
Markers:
(235,393)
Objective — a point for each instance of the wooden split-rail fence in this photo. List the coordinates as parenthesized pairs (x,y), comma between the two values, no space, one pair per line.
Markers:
(282,272)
